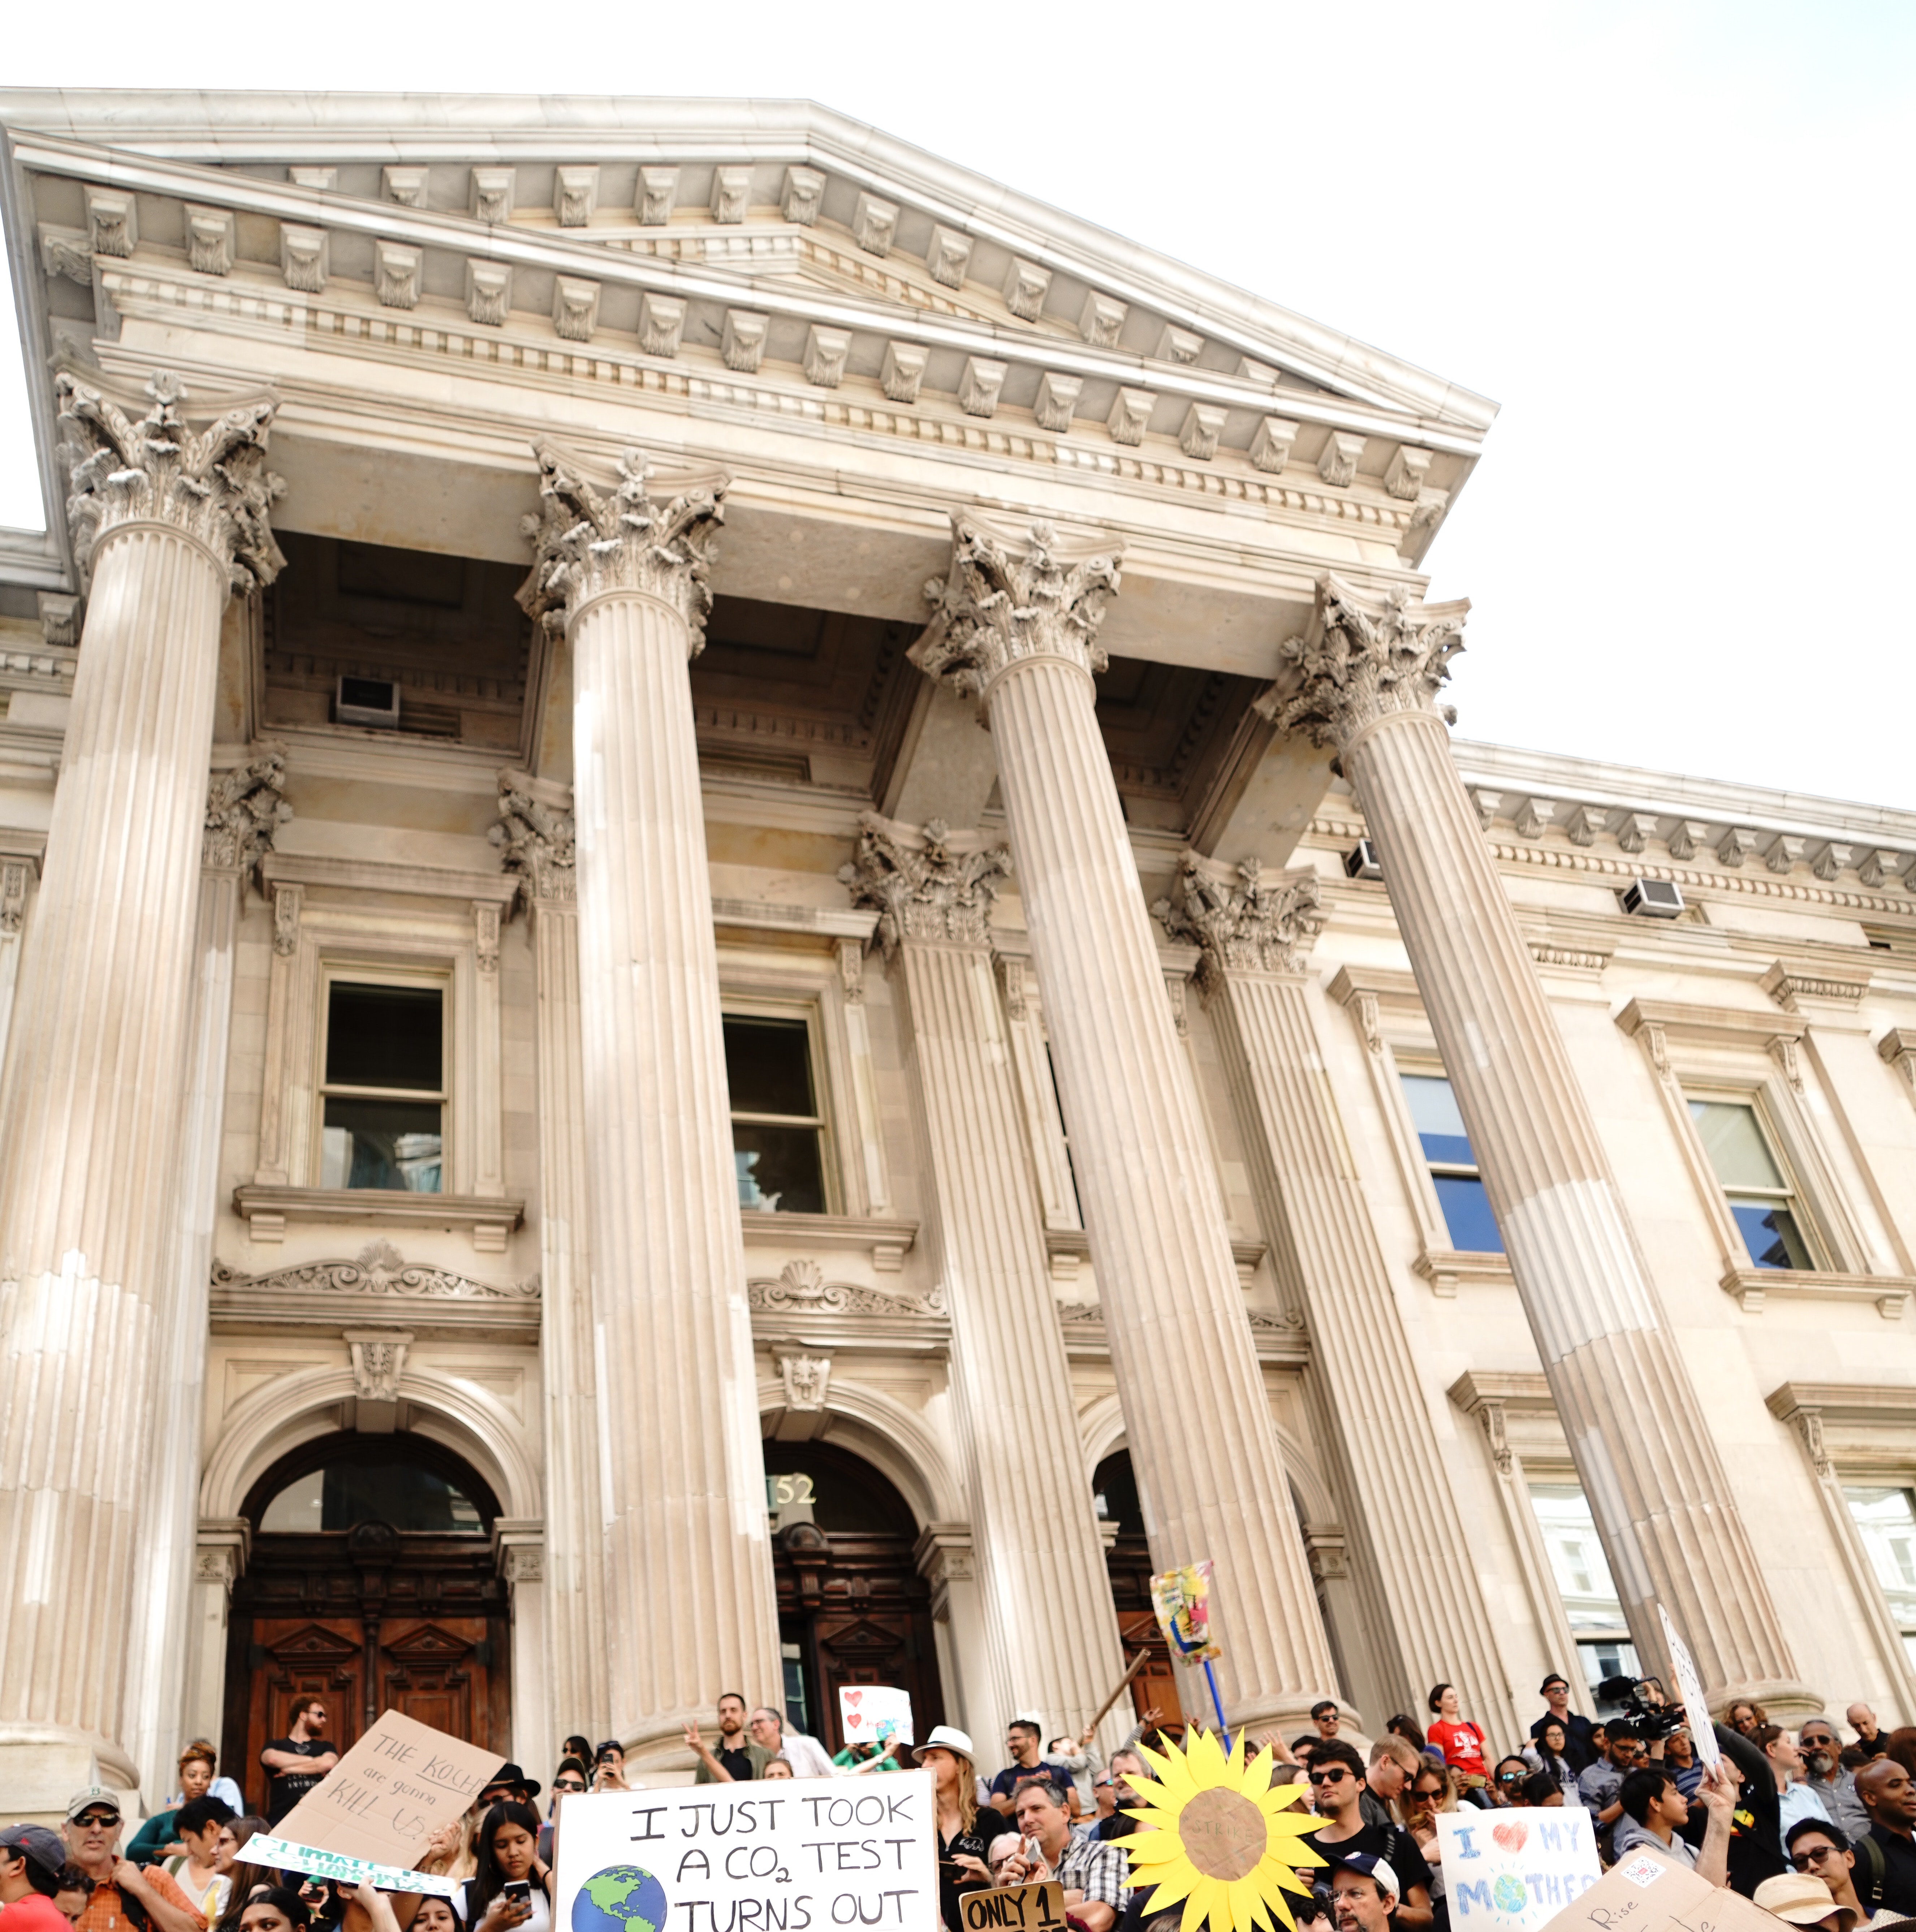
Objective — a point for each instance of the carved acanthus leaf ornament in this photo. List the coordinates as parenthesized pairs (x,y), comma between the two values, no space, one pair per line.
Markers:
(537,841)
(649,533)
(928,882)
(212,484)
(1362,658)
(243,810)
(1242,917)
(1012,595)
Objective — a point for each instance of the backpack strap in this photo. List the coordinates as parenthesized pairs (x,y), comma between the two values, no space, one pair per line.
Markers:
(1872,1857)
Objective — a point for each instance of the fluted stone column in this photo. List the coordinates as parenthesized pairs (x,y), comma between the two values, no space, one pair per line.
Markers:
(1365,679)
(1424,1610)
(244,811)
(1016,623)
(1031,1514)
(622,568)
(535,836)
(167,521)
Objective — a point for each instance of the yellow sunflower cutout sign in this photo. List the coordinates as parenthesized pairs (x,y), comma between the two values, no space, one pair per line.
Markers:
(1214,1832)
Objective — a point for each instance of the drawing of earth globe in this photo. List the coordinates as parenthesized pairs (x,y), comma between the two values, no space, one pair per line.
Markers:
(622,1898)
(1508,1894)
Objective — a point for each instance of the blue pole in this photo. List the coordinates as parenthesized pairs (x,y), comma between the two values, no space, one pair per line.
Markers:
(1217,1704)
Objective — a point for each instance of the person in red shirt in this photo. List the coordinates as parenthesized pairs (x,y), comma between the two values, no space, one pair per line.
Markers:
(1456,1736)
(31,1858)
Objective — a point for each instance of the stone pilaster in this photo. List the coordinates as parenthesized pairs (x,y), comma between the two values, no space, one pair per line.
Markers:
(1423,1611)
(536,838)
(621,567)
(1016,623)
(1030,1514)
(167,521)
(244,809)
(1365,679)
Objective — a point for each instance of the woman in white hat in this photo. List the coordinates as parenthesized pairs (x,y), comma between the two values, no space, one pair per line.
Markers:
(965,1831)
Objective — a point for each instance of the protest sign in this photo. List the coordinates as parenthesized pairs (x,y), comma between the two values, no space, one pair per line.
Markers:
(803,1854)
(1516,1871)
(289,1857)
(383,1800)
(874,1711)
(1647,1891)
(1018,1908)
(1690,1688)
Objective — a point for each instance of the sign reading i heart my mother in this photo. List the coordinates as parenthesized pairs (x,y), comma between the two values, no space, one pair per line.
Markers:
(1514,1871)
(875,1714)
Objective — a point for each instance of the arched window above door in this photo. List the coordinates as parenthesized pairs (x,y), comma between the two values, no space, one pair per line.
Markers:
(342,1482)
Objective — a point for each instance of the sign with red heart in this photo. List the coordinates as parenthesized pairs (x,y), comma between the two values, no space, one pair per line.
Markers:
(1511,1837)
(869,1713)
(1514,1872)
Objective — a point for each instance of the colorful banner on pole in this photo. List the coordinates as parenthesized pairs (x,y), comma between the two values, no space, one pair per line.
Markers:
(1181,1599)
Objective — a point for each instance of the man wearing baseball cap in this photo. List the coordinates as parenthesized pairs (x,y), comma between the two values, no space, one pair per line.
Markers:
(145,1901)
(31,1858)
(1366,1891)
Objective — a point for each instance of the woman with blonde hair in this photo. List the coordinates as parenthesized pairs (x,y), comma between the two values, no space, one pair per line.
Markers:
(966,1830)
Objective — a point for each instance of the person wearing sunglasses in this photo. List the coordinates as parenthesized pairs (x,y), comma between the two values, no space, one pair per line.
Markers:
(1823,1851)
(1826,1776)
(571,1776)
(92,1844)
(1336,1776)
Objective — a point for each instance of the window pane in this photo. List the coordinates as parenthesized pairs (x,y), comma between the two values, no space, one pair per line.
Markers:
(1887,1518)
(778,1168)
(345,1494)
(384,1037)
(769,1064)
(1770,1234)
(1434,1114)
(1467,1214)
(1577,1557)
(392,1143)
(1735,1144)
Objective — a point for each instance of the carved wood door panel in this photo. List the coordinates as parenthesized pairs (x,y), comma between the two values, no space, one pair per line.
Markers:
(439,1673)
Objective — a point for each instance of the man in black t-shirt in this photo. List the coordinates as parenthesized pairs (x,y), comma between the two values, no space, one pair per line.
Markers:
(1337,1780)
(296,1763)
(1886,1860)
(1578,1751)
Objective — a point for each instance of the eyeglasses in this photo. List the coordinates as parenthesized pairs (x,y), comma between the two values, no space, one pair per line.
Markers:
(1811,1743)
(1802,1860)
(1430,1795)
(98,1818)
(1335,1775)
(567,1784)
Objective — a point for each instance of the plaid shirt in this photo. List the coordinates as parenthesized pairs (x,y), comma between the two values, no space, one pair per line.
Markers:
(106,1911)
(1101,1871)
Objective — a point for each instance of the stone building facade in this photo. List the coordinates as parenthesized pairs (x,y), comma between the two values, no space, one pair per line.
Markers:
(576,1135)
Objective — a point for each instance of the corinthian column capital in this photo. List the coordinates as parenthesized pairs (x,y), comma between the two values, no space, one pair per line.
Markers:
(928,882)
(243,810)
(1015,593)
(1363,658)
(649,532)
(535,834)
(212,485)
(1243,919)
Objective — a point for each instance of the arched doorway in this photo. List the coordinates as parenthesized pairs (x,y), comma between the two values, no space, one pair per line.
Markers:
(371,1583)
(1127,1563)
(853,1608)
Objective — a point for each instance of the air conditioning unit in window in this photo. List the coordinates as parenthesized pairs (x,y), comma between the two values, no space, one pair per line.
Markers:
(367,700)
(1361,862)
(1652,899)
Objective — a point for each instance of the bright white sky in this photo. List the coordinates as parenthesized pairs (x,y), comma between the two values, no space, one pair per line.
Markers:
(1673,241)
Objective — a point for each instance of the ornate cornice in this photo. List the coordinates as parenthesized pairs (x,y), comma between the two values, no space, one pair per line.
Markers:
(212,484)
(800,1288)
(1013,595)
(379,1269)
(1362,658)
(535,840)
(243,810)
(926,882)
(1243,919)
(649,533)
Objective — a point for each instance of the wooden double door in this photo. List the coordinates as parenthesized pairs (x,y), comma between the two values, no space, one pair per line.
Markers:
(369,1619)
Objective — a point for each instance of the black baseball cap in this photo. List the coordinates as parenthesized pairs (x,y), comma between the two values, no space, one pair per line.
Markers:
(37,1843)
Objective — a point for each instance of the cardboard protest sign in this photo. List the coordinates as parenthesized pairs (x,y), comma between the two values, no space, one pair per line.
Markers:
(1690,1688)
(869,1712)
(382,1801)
(806,1853)
(1515,1871)
(1018,1908)
(1648,1892)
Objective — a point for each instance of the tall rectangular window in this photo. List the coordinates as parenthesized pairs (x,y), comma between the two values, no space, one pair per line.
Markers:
(1453,1169)
(1760,1201)
(777,1127)
(1589,1596)
(1887,1520)
(382,1105)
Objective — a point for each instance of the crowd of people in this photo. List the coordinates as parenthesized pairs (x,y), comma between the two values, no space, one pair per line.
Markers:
(1818,1827)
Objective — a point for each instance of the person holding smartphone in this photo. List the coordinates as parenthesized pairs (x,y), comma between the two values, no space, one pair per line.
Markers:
(511,1891)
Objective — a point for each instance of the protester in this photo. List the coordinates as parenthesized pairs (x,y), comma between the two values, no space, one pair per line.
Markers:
(965,1831)
(1826,1776)
(1506,1780)
(1458,1737)
(1541,1789)
(1432,1790)
(32,1859)
(1117,1823)
(155,1839)
(508,1840)
(273,1909)
(1337,1778)
(1103,1801)
(1680,1760)
(199,1823)
(805,1757)
(1599,1786)
(1096,1876)
(1367,1893)
(297,1762)
(737,1757)
(1324,1714)
(1886,1856)
(609,1767)
(1655,1812)
(93,1838)
(1800,1900)
(1411,1732)
(1392,1766)
(76,1890)
(1577,1748)
(575,1746)
(1795,1801)
(1824,1852)
(1549,1752)
(1744,1715)
(1755,1834)
(242,1876)
(1022,1736)
(1862,1721)
(568,1781)
(509,1783)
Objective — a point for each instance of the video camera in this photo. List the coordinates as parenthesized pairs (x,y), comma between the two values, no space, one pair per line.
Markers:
(1653,1717)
